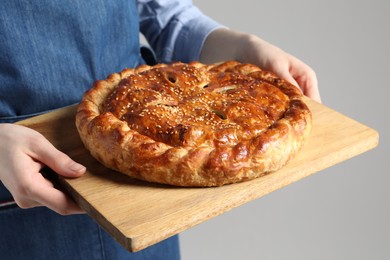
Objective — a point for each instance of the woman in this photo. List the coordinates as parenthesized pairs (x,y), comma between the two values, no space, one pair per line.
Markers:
(51,52)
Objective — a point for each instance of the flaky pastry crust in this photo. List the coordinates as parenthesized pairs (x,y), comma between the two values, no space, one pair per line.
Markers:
(194,124)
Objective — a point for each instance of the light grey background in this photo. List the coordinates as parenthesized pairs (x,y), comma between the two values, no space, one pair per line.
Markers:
(342,212)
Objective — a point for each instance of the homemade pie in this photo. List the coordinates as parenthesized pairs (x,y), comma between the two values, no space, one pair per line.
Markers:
(194,124)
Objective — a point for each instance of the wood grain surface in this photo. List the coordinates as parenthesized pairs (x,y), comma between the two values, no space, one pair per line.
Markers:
(139,214)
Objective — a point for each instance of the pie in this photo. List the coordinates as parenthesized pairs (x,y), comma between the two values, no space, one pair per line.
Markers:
(191,124)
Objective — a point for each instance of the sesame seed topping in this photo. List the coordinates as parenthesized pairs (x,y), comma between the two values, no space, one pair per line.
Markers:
(158,100)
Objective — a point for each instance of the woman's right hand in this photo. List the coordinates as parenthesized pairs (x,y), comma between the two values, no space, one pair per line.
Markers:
(24,152)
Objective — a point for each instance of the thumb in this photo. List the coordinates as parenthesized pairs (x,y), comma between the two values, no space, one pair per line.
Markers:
(44,152)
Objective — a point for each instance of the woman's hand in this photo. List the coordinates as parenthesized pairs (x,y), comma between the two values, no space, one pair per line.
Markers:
(24,152)
(225,44)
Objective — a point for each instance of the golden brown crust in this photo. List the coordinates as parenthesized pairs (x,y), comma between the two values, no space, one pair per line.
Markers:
(194,124)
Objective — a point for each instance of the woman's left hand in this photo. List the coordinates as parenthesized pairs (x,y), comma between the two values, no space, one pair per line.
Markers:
(225,44)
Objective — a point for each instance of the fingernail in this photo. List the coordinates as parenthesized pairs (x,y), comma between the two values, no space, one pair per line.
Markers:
(76,167)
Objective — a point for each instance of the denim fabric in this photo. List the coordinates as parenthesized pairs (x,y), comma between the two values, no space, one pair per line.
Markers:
(5,196)
(51,51)
(39,233)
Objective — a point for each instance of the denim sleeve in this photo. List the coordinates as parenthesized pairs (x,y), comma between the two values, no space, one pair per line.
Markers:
(175,29)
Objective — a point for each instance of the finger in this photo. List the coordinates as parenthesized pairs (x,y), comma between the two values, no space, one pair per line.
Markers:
(26,197)
(290,79)
(314,94)
(34,190)
(43,151)
(308,82)
(46,195)
(284,73)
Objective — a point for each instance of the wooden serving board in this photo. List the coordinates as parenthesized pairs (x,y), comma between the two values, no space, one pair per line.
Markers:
(139,214)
